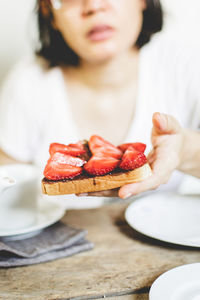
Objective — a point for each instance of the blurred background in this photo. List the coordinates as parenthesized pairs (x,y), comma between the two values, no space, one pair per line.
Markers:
(18,31)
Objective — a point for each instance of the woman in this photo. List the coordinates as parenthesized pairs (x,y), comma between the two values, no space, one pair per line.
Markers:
(95,75)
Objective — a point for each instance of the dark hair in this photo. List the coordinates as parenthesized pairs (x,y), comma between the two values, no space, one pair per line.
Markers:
(56,51)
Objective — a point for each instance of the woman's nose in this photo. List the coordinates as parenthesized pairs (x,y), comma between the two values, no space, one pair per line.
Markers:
(93,6)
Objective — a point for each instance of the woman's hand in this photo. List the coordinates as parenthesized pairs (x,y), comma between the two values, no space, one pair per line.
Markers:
(168,142)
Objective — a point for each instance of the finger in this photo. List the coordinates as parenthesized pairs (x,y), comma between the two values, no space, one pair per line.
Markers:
(139,187)
(106,193)
(165,124)
(151,157)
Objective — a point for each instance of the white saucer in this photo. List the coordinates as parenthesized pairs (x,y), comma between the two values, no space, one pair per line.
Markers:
(48,213)
(167,217)
(181,283)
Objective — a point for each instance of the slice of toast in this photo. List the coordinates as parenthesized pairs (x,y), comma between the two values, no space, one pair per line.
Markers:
(86,183)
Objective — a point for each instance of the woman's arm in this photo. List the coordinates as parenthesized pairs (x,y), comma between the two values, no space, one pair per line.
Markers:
(190,160)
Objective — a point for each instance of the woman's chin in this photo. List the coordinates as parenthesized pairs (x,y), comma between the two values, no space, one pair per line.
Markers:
(101,59)
(98,52)
(104,55)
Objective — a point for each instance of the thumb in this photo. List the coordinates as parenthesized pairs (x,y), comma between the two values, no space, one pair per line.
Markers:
(165,124)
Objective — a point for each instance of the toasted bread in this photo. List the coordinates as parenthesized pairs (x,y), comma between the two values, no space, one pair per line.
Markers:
(86,183)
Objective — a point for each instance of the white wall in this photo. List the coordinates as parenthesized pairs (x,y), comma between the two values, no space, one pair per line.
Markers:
(16,29)
(182,20)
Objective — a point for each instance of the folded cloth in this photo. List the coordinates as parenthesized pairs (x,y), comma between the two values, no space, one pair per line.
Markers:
(56,241)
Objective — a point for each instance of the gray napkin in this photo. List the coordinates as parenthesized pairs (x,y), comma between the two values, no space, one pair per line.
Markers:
(54,242)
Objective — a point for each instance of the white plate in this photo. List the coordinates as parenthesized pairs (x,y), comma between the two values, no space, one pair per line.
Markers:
(167,217)
(48,213)
(181,283)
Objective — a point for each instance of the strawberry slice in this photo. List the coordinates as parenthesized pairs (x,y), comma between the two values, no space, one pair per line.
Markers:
(100,164)
(132,159)
(71,149)
(98,144)
(110,152)
(137,146)
(63,166)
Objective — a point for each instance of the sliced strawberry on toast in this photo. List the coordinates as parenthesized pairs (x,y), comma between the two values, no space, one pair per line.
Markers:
(63,166)
(71,149)
(137,146)
(132,159)
(98,145)
(99,164)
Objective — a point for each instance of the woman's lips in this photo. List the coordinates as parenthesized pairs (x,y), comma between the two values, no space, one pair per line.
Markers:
(100,33)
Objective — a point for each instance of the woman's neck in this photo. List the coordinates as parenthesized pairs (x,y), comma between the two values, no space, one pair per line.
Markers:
(113,74)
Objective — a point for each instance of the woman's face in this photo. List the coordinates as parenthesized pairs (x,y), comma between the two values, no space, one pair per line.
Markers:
(98,30)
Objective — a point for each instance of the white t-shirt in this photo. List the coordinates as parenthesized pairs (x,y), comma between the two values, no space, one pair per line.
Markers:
(35,111)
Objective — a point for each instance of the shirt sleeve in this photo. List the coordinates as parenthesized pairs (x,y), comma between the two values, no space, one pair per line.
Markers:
(178,75)
(17,129)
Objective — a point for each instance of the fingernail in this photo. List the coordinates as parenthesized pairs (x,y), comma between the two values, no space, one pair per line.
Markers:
(127,196)
(83,194)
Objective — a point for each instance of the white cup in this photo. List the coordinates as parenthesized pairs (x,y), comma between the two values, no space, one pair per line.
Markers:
(18,196)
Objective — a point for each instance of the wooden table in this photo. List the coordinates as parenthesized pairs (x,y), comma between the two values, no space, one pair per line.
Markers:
(122,265)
